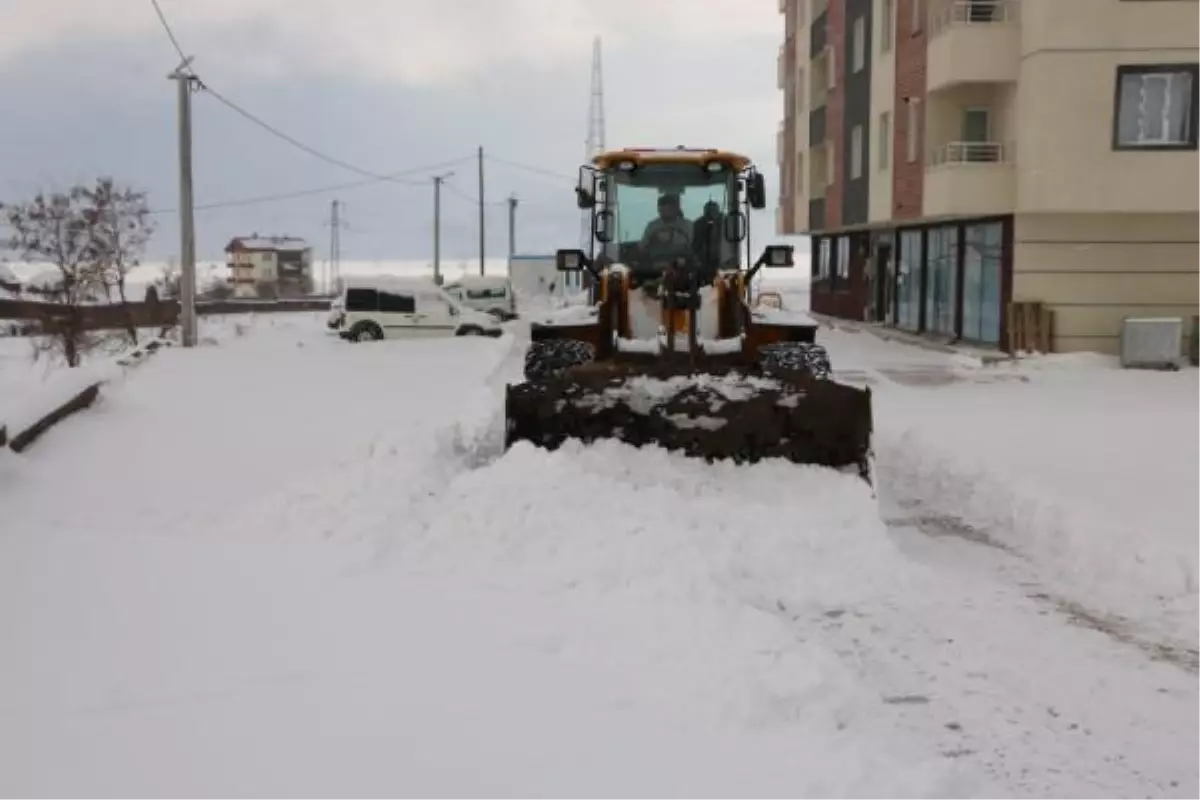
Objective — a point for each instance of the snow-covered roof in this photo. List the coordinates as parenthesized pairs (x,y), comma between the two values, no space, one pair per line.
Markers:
(277,243)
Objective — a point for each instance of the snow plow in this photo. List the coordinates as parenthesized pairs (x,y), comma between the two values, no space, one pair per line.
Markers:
(669,350)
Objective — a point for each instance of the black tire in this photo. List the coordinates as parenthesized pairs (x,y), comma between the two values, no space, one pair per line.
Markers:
(795,357)
(469,330)
(366,332)
(553,356)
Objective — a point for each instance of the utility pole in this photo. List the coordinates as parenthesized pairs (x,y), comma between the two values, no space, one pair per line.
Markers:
(335,243)
(512,226)
(184,79)
(482,231)
(437,226)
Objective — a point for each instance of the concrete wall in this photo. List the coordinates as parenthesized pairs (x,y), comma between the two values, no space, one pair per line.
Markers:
(1096,269)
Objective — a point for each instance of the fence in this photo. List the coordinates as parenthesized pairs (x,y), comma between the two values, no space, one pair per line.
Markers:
(165,313)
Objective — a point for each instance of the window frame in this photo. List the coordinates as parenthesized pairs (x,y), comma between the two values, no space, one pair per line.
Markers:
(885,141)
(1142,70)
(858,58)
(887,30)
(856,152)
(918,17)
(913,136)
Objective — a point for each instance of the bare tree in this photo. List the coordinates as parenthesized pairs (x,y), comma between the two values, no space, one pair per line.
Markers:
(218,288)
(123,230)
(61,229)
(267,289)
(168,281)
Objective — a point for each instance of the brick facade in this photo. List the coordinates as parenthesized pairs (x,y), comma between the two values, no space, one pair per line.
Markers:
(908,178)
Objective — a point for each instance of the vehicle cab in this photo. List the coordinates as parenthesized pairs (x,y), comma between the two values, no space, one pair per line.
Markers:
(385,307)
(491,294)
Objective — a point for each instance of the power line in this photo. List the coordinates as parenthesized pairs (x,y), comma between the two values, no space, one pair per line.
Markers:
(394,177)
(294,142)
(535,170)
(337,162)
(167,27)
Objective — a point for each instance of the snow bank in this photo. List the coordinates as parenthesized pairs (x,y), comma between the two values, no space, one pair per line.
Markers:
(1089,472)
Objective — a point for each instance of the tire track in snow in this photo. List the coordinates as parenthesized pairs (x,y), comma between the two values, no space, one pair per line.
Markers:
(911,512)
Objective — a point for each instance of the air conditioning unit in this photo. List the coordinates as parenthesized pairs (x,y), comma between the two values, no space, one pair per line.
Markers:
(1151,342)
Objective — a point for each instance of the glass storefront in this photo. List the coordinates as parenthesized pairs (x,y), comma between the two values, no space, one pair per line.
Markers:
(981,282)
(941,285)
(908,282)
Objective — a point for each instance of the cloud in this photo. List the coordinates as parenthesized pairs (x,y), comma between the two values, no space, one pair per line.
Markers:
(384,84)
(412,41)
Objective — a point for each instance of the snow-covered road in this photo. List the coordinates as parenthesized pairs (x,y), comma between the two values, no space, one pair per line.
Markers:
(286,565)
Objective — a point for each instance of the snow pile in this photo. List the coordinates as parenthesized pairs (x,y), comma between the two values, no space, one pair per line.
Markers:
(1091,473)
(644,393)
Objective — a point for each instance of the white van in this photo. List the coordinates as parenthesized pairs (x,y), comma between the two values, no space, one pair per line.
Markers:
(401,308)
(492,294)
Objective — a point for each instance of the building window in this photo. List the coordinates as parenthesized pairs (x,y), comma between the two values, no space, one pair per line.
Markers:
(885,141)
(856,152)
(798,176)
(830,164)
(1156,107)
(941,283)
(886,25)
(798,88)
(981,282)
(843,258)
(914,129)
(823,258)
(918,13)
(908,281)
(860,44)
(830,68)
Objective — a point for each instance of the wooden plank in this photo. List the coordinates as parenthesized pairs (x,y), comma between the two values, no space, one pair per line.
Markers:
(22,441)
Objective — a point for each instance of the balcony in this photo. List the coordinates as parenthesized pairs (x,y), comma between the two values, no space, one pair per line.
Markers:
(816,214)
(973,41)
(818,33)
(970,179)
(816,127)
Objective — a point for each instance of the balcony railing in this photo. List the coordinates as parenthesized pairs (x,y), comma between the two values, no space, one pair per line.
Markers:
(969,153)
(951,13)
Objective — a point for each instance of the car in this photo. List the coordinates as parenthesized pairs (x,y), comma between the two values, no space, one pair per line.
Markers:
(386,307)
(492,294)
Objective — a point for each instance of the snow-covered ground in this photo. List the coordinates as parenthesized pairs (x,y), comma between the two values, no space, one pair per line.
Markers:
(280,563)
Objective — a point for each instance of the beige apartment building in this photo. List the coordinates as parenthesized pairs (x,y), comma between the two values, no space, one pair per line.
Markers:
(950,157)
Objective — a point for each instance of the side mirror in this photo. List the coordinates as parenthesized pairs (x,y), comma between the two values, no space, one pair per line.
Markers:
(602,225)
(570,260)
(756,191)
(735,226)
(778,255)
(583,198)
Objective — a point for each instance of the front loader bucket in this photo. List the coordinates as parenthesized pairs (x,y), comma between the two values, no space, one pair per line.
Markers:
(737,414)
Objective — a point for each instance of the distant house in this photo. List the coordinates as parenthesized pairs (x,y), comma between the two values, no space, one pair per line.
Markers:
(281,262)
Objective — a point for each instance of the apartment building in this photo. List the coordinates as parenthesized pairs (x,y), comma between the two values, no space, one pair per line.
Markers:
(279,265)
(950,157)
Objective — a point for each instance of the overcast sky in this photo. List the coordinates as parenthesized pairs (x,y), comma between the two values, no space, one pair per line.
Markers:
(388,86)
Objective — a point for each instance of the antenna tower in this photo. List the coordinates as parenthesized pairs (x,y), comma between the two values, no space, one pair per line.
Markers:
(595,137)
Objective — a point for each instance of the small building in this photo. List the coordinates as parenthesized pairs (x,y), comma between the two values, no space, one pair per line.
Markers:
(269,265)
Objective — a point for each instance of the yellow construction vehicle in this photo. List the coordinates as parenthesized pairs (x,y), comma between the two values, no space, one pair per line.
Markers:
(670,351)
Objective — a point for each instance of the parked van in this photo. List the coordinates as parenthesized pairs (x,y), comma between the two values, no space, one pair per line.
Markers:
(386,307)
(492,294)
